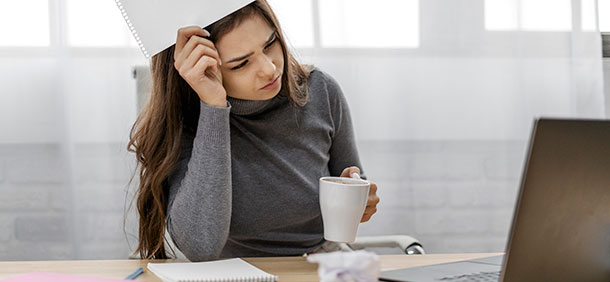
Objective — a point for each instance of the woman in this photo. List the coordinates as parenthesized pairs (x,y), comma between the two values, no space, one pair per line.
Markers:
(233,142)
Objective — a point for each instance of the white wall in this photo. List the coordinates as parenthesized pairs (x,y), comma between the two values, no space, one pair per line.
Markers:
(448,164)
(442,129)
(48,99)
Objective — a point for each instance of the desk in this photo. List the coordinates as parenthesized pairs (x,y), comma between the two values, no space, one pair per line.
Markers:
(286,268)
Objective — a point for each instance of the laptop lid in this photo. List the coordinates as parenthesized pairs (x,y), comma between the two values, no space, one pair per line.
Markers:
(561,223)
(561,226)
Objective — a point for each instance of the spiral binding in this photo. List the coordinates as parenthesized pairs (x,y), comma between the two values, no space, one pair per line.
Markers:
(260,278)
(132,29)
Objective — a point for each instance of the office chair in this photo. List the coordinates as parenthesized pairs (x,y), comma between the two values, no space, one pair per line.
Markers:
(406,244)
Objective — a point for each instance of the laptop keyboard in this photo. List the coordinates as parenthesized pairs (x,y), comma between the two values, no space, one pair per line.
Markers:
(474,277)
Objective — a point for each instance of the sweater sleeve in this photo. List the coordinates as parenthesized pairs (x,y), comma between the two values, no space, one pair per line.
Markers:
(199,205)
(343,151)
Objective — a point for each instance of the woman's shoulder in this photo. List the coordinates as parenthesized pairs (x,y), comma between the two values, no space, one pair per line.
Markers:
(318,76)
(322,84)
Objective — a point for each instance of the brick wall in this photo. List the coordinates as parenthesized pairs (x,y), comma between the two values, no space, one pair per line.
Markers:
(56,204)
(454,196)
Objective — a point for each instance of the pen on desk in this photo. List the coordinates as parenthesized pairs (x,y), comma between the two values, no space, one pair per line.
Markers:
(135,274)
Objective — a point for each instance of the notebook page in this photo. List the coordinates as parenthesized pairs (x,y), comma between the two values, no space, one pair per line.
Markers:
(227,270)
(155,23)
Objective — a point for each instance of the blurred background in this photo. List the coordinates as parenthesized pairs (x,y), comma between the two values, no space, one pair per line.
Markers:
(443,94)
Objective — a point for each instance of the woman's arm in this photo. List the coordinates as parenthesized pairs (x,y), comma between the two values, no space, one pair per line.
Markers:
(344,159)
(199,206)
(343,151)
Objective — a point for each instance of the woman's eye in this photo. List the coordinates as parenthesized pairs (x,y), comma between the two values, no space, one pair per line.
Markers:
(240,65)
(246,61)
(271,43)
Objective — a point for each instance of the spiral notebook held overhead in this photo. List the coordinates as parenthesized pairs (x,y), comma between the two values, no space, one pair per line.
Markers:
(231,270)
(155,23)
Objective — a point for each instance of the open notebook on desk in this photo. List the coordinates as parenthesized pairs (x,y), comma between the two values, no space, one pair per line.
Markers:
(222,270)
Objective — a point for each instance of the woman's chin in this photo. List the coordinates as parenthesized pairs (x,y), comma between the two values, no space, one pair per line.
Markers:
(266,94)
(261,95)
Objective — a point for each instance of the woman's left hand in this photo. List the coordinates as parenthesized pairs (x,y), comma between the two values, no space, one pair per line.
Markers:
(373,200)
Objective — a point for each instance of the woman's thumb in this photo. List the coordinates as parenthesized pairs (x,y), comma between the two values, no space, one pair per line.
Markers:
(347,172)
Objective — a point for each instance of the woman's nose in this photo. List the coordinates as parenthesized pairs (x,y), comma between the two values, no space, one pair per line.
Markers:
(268,67)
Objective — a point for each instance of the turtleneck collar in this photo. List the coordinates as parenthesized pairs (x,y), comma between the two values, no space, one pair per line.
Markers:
(249,107)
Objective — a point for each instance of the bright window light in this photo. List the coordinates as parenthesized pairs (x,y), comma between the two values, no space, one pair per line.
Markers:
(501,14)
(97,23)
(24,23)
(296,19)
(603,8)
(588,15)
(552,15)
(366,24)
(529,15)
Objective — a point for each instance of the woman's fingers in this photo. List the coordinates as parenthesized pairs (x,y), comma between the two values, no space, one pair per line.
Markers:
(184,34)
(373,189)
(367,215)
(371,204)
(193,44)
(372,201)
(347,172)
(195,56)
(206,63)
(198,71)
(197,59)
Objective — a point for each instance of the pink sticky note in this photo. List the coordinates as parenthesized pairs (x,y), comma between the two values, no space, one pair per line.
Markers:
(55,277)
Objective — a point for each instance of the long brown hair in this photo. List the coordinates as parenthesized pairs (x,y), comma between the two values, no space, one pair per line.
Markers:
(173,111)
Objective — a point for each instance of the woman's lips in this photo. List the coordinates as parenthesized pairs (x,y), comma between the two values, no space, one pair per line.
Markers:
(273,84)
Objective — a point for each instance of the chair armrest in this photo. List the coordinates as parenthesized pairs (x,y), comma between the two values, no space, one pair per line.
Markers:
(406,243)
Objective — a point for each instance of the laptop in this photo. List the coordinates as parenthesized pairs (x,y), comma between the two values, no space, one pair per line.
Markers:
(561,223)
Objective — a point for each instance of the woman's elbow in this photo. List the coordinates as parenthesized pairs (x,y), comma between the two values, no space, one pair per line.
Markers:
(199,245)
(205,250)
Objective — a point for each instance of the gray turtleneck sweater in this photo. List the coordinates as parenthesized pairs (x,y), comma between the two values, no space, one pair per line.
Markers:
(247,182)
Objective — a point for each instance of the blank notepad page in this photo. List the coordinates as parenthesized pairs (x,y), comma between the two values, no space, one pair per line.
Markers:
(222,270)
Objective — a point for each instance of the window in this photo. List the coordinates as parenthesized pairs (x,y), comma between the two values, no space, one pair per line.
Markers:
(296,18)
(24,23)
(603,8)
(96,23)
(366,24)
(528,15)
(588,15)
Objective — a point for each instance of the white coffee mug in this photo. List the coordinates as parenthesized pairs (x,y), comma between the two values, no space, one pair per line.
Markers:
(342,201)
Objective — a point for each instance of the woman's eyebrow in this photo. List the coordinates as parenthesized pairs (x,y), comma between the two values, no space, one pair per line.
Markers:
(269,39)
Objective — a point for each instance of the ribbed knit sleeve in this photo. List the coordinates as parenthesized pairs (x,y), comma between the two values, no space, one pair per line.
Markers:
(343,151)
(199,207)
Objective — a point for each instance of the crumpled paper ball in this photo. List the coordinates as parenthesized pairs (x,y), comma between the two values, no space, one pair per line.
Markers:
(358,266)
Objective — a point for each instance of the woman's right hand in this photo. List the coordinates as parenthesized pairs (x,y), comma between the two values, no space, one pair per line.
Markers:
(197,61)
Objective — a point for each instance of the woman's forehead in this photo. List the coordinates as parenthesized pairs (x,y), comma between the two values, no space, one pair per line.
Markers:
(251,33)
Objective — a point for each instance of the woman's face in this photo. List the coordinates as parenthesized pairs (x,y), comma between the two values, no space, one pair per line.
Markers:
(252,60)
